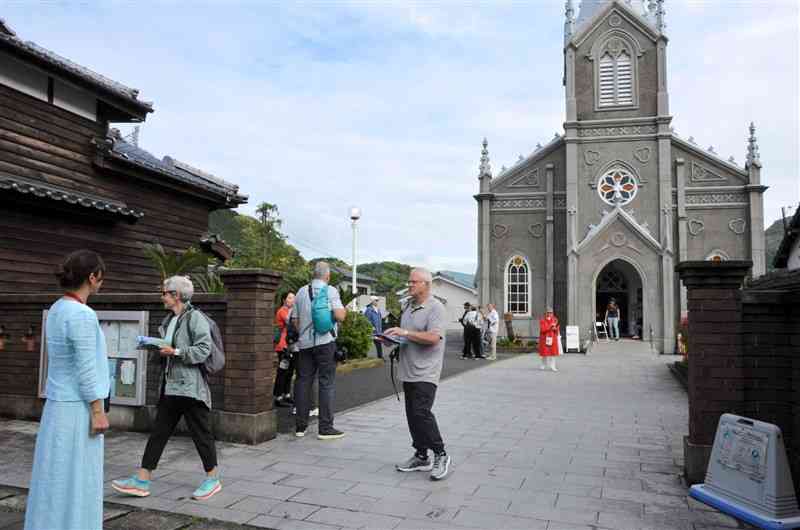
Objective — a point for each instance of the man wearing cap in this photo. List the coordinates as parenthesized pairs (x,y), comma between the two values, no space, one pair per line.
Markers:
(373,314)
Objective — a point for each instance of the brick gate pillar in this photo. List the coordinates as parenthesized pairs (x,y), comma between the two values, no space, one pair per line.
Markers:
(716,381)
(247,415)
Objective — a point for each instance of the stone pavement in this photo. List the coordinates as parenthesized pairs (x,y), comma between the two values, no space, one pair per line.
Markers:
(597,445)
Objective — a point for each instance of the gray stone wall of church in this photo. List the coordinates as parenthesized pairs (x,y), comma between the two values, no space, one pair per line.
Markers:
(647,75)
(717,211)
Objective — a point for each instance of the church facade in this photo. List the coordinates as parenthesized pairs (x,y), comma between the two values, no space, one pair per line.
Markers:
(611,206)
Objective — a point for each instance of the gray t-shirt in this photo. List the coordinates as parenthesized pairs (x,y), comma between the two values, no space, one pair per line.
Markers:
(302,309)
(420,363)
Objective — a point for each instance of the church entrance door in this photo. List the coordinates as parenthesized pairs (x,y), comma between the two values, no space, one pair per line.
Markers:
(620,280)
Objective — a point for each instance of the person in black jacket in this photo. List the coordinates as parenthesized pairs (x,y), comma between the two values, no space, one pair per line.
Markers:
(464,334)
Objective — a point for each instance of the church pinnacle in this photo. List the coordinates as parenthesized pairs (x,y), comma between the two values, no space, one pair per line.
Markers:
(752,146)
(485,169)
(661,24)
(569,22)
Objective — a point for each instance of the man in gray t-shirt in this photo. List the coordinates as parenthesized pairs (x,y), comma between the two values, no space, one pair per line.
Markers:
(317,355)
(422,332)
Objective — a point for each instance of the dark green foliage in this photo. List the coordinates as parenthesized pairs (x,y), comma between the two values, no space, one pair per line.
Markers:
(355,335)
(175,262)
(391,276)
(773,236)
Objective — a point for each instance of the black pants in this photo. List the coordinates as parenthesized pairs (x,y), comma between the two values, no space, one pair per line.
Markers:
(283,376)
(198,419)
(473,345)
(319,361)
(421,421)
(378,349)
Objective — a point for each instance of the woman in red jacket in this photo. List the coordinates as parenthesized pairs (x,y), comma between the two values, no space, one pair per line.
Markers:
(549,340)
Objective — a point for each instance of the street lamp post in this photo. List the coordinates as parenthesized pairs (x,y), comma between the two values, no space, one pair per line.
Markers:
(355,215)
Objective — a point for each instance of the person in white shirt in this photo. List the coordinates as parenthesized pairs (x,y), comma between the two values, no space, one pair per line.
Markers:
(493,324)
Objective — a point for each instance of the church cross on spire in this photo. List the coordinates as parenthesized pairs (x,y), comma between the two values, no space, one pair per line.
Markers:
(485,169)
(752,146)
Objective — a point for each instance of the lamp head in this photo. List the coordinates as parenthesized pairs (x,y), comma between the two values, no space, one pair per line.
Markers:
(355,213)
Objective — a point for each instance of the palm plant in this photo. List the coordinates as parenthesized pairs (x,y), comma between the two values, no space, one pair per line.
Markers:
(208,282)
(174,263)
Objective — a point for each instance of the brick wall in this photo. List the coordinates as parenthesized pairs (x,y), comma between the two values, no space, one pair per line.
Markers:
(744,345)
(243,389)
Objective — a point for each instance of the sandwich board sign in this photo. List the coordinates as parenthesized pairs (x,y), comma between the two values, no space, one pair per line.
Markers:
(748,475)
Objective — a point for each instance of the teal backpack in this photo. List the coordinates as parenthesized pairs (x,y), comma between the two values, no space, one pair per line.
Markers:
(321,314)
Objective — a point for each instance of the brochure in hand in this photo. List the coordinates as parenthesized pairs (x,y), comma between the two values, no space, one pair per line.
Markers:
(150,343)
(394,339)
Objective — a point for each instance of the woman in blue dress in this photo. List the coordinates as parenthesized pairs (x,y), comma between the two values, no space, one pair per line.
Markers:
(66,490)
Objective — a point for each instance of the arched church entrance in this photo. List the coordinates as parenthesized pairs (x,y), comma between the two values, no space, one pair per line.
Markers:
(621,281)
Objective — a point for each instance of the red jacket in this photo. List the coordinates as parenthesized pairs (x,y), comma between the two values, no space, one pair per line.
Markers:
(549,328)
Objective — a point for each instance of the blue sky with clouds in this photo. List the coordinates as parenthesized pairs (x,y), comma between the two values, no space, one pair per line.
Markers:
(317,106)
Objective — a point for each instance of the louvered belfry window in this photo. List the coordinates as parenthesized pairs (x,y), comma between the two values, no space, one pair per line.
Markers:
(615,75)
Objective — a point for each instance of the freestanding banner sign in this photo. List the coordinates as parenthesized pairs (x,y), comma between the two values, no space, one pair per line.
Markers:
(573,339)
(748,474)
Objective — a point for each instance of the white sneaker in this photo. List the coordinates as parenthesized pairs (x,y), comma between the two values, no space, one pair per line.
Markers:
(553,368)
(313,412)
(543,367)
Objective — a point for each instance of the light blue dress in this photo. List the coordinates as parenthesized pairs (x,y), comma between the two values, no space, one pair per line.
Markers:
(66,491)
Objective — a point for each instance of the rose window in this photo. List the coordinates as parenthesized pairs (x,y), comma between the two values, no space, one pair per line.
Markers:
(617,186)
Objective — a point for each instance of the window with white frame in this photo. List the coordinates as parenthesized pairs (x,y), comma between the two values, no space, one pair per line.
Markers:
(518,286)
(615,74)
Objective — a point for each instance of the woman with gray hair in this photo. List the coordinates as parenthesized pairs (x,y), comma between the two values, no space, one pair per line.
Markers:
(184,391)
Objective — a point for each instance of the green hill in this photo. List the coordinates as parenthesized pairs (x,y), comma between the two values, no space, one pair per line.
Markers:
(774,236)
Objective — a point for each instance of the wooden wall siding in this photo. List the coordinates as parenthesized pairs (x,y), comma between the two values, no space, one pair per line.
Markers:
(42,142)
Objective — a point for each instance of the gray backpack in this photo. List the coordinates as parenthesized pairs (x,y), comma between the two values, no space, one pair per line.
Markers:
(215,361)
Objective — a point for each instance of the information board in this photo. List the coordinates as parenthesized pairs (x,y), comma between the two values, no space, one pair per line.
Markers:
(127,366)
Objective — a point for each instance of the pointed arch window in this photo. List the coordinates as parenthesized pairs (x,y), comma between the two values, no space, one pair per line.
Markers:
(518,286)
(615,73)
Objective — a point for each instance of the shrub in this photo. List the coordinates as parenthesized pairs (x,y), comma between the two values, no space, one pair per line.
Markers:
(355,335)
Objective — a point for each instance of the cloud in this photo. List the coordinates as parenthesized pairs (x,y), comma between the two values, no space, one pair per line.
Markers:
(384,104)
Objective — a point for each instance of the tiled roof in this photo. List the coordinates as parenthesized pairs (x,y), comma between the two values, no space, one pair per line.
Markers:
(169,167)
(9,39)
(58,193)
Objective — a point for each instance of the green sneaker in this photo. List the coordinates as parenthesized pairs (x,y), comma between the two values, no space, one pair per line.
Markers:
(210,487)
(133,486)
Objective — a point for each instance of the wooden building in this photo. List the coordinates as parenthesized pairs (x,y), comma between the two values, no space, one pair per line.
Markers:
(68,180)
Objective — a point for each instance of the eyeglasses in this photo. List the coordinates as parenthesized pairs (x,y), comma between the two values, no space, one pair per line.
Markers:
(165,293)
(412,282)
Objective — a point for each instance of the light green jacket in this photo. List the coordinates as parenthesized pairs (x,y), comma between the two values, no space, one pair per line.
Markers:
(181,374)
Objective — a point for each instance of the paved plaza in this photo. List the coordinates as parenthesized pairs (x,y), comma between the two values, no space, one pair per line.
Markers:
(597,445)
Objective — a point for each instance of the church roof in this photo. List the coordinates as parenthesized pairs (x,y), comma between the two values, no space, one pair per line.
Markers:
(523,162)
(637,11)
(711,156)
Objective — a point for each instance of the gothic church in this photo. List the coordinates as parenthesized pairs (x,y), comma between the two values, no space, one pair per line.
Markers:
(609,208)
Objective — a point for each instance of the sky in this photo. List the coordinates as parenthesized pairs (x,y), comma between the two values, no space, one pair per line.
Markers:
(320,106)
